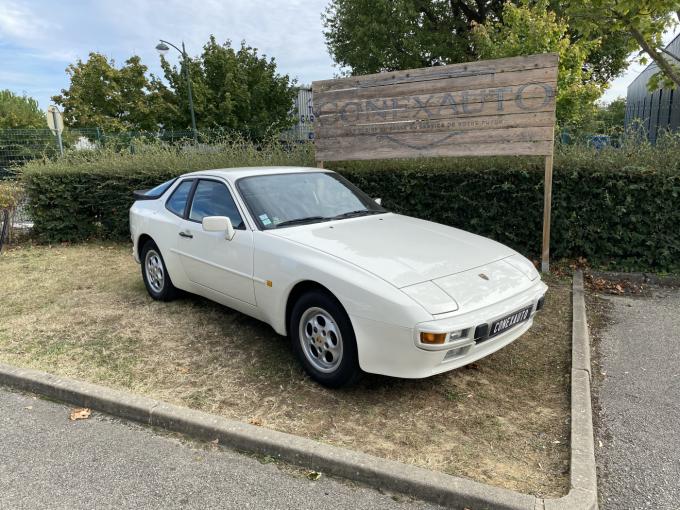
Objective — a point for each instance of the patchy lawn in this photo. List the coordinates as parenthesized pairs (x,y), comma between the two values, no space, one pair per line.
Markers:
(82,311)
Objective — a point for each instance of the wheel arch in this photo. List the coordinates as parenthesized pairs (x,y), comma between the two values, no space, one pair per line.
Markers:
(301,288)
(141,241)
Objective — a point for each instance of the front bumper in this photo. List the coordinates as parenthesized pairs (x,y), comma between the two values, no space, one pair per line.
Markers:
(392,350)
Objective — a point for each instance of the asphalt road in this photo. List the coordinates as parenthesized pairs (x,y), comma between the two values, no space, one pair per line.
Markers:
(47,461)
(638,389)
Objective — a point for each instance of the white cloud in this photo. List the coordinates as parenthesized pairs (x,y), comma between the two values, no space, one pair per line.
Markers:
(38,38)
(19,22)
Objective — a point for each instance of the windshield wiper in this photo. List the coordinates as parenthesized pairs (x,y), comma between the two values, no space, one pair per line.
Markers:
(358,212)
(300,221)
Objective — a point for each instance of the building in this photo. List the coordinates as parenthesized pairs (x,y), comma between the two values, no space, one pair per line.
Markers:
(304,110)
(654,111)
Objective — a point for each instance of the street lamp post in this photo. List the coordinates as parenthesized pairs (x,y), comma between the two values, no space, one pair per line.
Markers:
(163,47)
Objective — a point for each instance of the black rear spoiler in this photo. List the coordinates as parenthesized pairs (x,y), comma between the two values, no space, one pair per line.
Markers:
(158,191)
(141,194)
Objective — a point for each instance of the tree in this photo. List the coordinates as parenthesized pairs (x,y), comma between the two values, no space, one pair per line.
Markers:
(369,36)
(613,115)
(643,21)
(528,29)
(115,99)
(605,118)
(19,112)
(236,90)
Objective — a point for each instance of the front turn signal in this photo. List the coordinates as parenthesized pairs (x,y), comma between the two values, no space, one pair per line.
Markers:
(433,338)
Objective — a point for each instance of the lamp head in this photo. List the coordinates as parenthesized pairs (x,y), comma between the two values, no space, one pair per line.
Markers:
(162,48)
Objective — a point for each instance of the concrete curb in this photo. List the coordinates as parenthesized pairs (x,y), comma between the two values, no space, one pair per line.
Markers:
(421,483)
(583,477)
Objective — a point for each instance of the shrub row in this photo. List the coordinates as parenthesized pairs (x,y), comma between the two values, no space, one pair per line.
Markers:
(625,220)
(618,208)
(88,194)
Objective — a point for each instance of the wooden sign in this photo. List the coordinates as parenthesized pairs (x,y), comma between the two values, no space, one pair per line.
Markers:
(486,108)
(493,107)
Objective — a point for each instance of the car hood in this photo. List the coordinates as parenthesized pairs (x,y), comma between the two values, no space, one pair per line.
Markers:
(399,249)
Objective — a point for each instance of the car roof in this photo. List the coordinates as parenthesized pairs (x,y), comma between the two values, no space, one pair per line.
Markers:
(232,174)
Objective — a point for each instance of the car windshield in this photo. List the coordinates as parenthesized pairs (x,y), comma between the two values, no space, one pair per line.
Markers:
(284,200)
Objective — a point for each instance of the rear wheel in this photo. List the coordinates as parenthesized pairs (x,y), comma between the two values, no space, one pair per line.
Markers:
(324,340)
(155,274)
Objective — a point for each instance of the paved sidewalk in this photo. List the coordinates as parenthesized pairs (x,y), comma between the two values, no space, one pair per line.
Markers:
(47,461)
(639,395)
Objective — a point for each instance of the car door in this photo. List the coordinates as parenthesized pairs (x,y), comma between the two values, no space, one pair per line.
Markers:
(208,258)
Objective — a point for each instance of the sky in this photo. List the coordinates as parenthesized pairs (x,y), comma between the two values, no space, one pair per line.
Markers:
(39,38)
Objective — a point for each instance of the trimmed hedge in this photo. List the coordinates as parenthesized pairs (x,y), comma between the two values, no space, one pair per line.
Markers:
(618,208)
(628,220)
(88,195)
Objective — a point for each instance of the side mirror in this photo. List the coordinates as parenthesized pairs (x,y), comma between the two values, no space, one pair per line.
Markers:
(378,201)
(219,224)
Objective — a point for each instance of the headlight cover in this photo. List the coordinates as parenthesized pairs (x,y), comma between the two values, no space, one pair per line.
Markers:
(431,297)
(524,265)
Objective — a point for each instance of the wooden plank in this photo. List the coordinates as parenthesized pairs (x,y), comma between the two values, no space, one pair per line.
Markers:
(429,144)
(491,80)
(538,148)
(479,123)
(459,103)
(547,208)
(432,138)
(495,66)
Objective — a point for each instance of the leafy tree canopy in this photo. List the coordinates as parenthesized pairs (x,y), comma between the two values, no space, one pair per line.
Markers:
(103,95)
(369,36)
(19,112)
(607,118)
(528,29)
(642,21)
(234,89)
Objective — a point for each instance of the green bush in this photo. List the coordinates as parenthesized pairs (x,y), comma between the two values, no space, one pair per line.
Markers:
(87,194)
(616,217)
(618,208)
(10,194)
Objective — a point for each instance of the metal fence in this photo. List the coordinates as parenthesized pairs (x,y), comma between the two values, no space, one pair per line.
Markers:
(17,146)
(20,145)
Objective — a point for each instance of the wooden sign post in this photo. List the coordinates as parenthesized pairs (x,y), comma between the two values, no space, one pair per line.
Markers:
(503,107)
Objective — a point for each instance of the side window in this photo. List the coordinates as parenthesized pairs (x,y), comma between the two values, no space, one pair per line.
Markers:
(212,198)
(178,200)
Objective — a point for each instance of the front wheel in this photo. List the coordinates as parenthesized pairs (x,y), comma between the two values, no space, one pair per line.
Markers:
(324,341)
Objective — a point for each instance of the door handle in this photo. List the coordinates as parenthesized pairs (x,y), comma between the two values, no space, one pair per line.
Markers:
(184,234)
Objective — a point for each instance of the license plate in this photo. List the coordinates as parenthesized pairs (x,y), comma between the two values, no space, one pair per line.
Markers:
(509,321)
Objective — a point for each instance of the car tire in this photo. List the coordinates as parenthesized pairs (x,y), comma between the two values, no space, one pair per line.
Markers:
(155,275)
(323,340)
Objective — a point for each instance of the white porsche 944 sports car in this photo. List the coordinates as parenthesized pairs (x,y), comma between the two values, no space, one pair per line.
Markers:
(356,287)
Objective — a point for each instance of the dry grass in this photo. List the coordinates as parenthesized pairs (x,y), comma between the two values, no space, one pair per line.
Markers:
(82,311)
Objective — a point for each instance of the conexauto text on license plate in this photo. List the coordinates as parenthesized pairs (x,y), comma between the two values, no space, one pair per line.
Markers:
(509,321)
